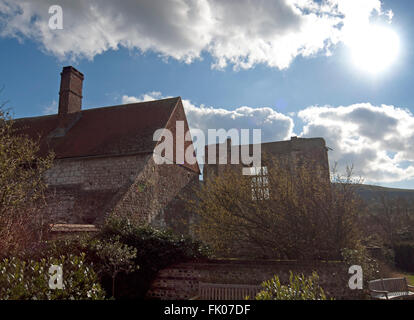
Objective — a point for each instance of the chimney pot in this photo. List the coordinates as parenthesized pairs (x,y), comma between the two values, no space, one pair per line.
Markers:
(70,95)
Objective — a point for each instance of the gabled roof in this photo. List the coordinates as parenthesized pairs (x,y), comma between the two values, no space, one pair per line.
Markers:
(117,130)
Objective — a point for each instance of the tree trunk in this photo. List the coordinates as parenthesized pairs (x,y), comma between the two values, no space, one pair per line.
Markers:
(113,286)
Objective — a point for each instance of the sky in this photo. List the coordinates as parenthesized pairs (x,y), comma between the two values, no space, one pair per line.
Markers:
(337,69)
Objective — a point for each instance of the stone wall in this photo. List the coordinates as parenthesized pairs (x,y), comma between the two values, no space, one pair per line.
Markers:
(181,281)
(83,190)
(100,173)
(295,153)
(154,188)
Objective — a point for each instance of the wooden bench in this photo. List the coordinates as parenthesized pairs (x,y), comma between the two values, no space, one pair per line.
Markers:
(217,291)
(391,288)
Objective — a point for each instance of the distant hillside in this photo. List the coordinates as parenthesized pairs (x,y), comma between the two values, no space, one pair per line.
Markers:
(371,193)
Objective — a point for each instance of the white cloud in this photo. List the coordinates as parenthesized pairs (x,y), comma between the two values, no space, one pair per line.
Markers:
(274,125)
(377,140)
(237,32)
(51,109)
(150,96)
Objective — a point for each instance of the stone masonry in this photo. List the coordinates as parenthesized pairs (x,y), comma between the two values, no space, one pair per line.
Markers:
(104,158)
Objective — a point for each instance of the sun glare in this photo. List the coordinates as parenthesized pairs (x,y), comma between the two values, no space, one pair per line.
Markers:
(374,49)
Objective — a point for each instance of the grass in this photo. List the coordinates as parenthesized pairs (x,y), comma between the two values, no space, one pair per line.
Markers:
(400,274)
(410,278)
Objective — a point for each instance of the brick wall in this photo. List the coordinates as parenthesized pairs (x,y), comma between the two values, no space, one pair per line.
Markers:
(181,281)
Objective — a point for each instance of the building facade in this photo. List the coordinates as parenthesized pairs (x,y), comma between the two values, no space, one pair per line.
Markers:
(294,153)
(104,157)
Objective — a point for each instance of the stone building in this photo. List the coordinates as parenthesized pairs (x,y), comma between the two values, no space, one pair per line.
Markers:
(104,160)
(104,157)
(295,153)
(285,157)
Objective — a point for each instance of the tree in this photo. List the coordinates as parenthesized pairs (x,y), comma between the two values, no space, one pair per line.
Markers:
(116,257)
(290,213)
(390,225)
(393,219)
(22,187)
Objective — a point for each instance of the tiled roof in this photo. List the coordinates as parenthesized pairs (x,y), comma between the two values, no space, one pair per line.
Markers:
(117,130)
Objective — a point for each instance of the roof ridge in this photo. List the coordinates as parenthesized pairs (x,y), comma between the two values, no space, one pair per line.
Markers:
(269,142)
(100,108)
(131,104)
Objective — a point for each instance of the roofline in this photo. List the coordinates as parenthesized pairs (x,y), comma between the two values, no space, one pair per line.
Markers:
(271,142)
(175,107)
(103,155)
(100,108)
(131,104)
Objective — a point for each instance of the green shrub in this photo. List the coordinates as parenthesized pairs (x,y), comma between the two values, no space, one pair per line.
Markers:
(74,245)
(389,255)
(299,288)
(404,256)
(165,244)
(29,279)
(360,257)
(156,249)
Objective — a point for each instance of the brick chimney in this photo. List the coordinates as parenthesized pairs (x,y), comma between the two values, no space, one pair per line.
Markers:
(70,95)
(70,101)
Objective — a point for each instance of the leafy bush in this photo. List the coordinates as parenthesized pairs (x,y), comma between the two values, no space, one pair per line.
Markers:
(22,218)
(299,288)
(109,257)
(404,256)
(156,249)
(388,255)
(29,279)
(360,257)
(75,245)
(163,244)
(144,249)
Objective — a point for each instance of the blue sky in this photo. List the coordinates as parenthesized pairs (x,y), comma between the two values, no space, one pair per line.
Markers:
(289,86)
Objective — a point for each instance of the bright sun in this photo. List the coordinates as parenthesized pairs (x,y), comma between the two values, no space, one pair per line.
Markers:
(375,48)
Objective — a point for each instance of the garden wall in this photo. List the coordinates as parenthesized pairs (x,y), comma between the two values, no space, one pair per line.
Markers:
(181,281)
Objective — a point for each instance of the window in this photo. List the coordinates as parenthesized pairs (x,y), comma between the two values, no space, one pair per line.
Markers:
(260,183)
